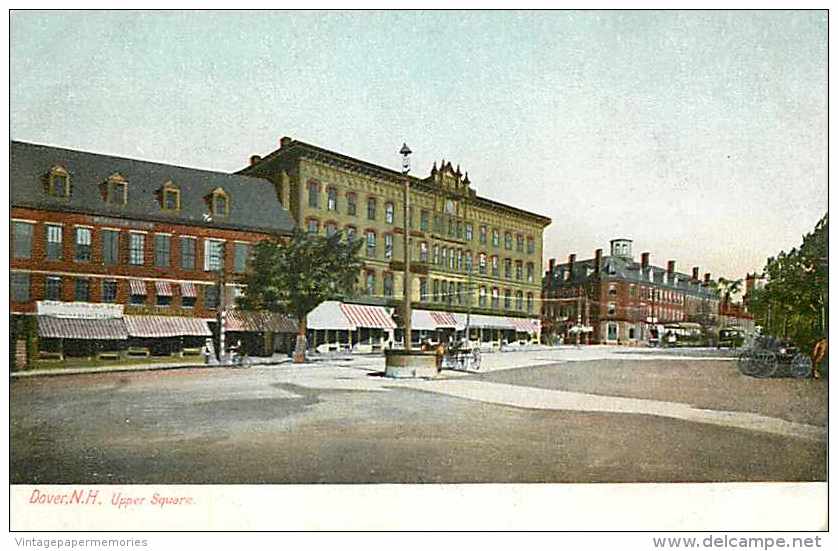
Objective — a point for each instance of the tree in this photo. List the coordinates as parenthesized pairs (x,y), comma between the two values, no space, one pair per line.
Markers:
(294,277)
(727,288)
(794,302)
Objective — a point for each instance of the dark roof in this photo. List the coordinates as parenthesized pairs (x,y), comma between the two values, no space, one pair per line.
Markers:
(253,204)
(296,146)
(618,267)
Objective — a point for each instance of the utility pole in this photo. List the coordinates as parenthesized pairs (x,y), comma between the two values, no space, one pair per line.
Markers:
(578,315)
(587,319)
(222,313)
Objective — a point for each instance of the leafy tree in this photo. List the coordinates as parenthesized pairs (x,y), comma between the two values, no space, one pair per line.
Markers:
(794,302)
(727,288)
(294,277)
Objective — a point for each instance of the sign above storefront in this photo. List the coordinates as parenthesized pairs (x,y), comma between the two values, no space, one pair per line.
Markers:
(122,222)
(79,310)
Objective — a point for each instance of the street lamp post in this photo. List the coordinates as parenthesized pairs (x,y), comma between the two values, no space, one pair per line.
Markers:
(407,310)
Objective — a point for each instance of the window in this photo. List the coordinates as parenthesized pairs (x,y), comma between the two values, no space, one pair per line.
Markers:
(459,230)
(388,245)
(436,290)
(529,303)
(82,290)
(136,249)
(423,289)
(507,240)
(424,220)
(52,290)
(495,267)
(495,238)
(530,245)
(83,240)
(483,231)
(187,253)
(481,301)
(519,243)
(312,226)
(110,247)
(507,268)
(59,182)
(444,257)
(451,229)
(351,204)
(460,292)
(313,195)
(19,283)
(371,204)
(117,193)
(612,308)
(370,286)
(507,299)
(451,260)
(171,196)
(495,298)
(469,232)
(351,232)
(459,260)
(241,256)
(331,199)
(612,289)
(331,229)
(211,297)
(468,261)
(54,242)
(531,271)
(435,259)
(187,302)
(482,263)
(423,252)
(519,270)
(22,239)
(213,255)
(162,250)
(447,292)
(371,244)
(109,290)
(437,223)
(519,300)
(220,203)
(389,213)
(388,284)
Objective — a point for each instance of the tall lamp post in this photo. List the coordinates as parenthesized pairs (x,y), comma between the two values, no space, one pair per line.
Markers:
(407,310)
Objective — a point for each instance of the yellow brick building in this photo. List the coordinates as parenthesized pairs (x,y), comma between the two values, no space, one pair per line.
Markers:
(468,253)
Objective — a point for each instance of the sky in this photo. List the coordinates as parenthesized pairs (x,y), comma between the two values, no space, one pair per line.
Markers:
(700,135)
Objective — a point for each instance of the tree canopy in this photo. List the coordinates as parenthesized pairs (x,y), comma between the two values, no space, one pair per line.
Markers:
(794,302)
(294,277)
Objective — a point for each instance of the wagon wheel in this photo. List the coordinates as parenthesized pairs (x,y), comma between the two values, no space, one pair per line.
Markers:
(747,363)
(801,366)
(768,364)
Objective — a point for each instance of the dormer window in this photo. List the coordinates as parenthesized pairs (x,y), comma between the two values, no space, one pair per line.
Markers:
(220,203)
(170,197)
(59,182)
(117,190)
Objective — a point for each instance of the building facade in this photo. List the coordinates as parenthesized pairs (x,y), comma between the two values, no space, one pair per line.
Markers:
(616,300)
(151,243)
(468,253)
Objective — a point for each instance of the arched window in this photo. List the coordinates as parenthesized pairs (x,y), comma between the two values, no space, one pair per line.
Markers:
(220,202)
(59,182)
(170,196)
(331,199)
(371,206)
(117,190)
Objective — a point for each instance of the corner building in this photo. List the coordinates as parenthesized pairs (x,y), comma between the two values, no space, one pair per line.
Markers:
(469,254)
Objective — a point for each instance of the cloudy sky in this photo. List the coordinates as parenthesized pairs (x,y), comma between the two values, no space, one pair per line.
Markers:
(700,135)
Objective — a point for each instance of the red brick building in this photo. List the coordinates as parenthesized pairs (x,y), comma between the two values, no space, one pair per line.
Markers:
(154,240)
(616,300)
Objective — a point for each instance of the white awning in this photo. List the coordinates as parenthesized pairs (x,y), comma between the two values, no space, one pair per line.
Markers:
(486,322)
(329,315)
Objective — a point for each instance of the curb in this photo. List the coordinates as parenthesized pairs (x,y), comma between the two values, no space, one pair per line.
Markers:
(96,370)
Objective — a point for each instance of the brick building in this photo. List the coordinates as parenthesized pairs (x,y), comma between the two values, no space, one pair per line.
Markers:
(620,300)
(96,238)
(468,253)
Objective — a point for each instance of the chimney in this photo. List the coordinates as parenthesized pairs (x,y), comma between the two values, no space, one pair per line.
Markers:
(644,260)
(283,141)
(571,260)
(597,261)
(695,273)
(707,279)
(254,159)
(670,267)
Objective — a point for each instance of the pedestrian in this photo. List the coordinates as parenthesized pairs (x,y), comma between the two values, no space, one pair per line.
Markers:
(440,354)
(819,353)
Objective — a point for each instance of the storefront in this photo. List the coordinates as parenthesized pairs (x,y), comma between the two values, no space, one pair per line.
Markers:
(260,333)
(80,329)
(334,326)
(165,335)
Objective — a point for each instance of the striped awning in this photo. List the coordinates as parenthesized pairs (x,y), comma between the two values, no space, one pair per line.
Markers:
(164,289)
(258,322)
(147,327)
(485,321)
(446,319)
(50,327)
(525,325)
(188,290)
(374,317)
(328,315)
(138,287)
